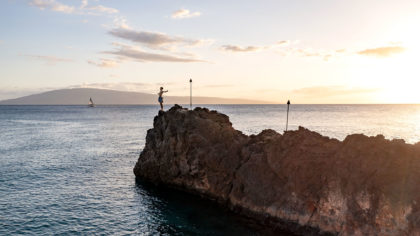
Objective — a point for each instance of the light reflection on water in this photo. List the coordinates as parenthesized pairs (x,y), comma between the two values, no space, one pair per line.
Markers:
(336,121)
(68,169)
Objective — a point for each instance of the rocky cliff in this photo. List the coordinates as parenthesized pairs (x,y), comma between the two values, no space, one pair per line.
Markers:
(360,186)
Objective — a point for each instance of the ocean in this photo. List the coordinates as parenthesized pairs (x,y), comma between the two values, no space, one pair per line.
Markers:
(68,169)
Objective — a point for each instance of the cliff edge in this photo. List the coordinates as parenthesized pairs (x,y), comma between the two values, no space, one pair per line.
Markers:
(360,186)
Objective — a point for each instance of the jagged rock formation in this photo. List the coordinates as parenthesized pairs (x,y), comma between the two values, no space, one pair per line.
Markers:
(361,186)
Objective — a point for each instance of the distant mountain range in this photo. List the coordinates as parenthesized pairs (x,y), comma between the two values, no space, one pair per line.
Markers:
(80,96)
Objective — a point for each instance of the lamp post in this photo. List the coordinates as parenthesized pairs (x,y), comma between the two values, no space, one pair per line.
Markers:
(287,119)
(190,94)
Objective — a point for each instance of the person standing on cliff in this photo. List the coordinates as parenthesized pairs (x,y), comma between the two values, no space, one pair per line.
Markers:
(160,99)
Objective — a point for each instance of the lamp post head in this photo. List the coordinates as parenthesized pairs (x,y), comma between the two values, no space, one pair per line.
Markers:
(288,102)
(190,80)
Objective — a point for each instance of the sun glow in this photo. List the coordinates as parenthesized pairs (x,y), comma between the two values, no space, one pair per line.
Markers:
(402,71)
(397,74)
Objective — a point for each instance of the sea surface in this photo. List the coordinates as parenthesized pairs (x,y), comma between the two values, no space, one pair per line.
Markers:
(68,169)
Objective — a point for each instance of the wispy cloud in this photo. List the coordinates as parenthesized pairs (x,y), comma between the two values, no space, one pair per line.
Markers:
(172,48)
(236,48)
(126,52)
(382,51)
(97,8)
(105,63)
(331,91)
(317,53)
(52,5)
(52,60)
(84,8)
(184,13)
(285,48)
(283,42)
(217,86)
(153,40)
(254,48)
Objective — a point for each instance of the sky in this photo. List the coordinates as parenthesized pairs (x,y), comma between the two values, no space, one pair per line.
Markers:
(308,51)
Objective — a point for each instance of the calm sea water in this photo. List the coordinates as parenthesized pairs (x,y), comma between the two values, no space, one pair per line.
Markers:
(68,169)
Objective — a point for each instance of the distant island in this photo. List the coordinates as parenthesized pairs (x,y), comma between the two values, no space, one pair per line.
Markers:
(80,96)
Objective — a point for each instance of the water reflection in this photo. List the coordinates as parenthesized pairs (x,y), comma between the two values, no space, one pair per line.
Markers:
(181,213)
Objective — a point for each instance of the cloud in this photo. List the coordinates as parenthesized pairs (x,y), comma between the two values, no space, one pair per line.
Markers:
(252,48)
(97,8)
(325,55)
(84,3)
(100,8)
(395,43)
(184,13)
(121,22)
(285,48)
(48,59)
(152,39)
(217,86)
(84,8)
(52,5)
(235,48)
(331,91)
(125,52)
(308,53)
(105,63)
(382,51)
(283,43)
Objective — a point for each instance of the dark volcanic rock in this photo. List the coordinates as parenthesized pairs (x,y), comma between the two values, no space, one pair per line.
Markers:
(361,186)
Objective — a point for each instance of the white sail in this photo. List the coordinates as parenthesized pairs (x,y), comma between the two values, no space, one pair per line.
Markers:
(91,104)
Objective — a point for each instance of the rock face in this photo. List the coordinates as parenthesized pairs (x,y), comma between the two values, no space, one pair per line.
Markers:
(361,186)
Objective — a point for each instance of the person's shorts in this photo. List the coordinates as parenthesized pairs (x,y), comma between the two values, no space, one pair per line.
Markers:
(160,100)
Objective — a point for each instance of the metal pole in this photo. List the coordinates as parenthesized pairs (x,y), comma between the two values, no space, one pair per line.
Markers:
(287,119)
(190,94)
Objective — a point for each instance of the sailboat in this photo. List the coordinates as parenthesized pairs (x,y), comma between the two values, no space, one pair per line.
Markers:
(91,104)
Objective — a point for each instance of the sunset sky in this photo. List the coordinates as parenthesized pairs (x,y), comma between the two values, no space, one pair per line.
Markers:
(308,51)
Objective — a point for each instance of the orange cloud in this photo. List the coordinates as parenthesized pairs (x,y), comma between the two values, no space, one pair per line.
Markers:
(106,63)
(331,91)
(382,51)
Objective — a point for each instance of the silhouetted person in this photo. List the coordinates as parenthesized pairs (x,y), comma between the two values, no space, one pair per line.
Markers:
(160,99)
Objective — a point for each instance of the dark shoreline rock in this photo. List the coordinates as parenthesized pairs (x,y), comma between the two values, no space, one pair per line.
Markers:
(301,179)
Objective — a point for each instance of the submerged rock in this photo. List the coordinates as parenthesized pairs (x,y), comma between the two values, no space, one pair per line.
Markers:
(300,180)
